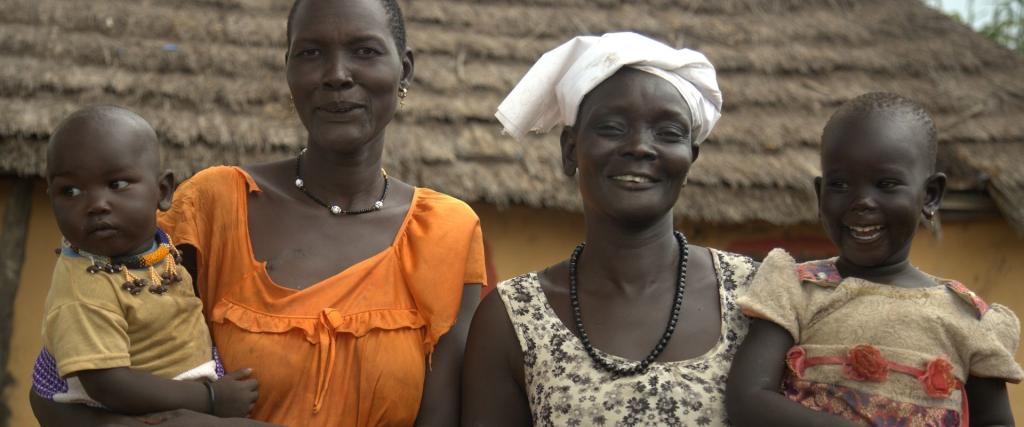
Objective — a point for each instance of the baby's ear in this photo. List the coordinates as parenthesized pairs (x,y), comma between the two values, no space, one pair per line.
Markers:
(166,184)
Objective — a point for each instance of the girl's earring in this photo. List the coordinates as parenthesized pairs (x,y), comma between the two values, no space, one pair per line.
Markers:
(402,93)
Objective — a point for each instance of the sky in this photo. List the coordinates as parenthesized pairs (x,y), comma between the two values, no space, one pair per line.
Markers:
(982,8)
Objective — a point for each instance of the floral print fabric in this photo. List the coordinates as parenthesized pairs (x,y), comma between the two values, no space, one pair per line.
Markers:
(566,388)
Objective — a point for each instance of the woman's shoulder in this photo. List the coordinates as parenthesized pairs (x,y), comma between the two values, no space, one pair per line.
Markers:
(436,207)
(213,180)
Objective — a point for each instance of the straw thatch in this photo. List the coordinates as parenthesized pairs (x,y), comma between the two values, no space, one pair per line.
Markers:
(209,75)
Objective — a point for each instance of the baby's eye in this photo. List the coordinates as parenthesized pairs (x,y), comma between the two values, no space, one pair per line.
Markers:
(888,184)
(71,191)
(118,184)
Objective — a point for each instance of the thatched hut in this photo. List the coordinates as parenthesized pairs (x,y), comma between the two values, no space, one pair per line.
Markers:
(209,75)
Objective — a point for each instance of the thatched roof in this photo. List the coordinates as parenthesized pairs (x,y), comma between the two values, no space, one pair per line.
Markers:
(209,75)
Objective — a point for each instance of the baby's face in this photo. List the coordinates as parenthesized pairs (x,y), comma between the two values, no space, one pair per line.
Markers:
(104,187)
(873,190)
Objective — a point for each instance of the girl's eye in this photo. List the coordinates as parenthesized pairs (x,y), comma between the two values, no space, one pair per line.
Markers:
(71,191)
(609,130)
(118,185)
(837,185)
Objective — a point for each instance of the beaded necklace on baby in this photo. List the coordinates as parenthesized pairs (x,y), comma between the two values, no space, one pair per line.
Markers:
(158,283)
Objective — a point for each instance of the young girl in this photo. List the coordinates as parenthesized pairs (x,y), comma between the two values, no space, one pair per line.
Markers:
(121,319)
(867,338)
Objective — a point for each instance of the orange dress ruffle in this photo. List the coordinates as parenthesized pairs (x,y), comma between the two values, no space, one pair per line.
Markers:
(351,350)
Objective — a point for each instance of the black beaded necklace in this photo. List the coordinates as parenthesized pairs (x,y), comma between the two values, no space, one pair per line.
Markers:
(335,209)
(677,305)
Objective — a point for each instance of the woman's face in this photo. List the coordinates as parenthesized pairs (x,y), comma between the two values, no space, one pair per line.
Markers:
(344,71)
(632,144)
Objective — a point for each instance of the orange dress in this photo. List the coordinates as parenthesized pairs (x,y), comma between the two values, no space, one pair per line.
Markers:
(351,350)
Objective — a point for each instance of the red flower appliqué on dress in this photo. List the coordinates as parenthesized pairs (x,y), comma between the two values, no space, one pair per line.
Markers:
(865,363)
(938,379)
(796,359)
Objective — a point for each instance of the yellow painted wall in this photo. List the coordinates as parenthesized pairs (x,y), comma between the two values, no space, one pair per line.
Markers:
(986,255)
(43,238)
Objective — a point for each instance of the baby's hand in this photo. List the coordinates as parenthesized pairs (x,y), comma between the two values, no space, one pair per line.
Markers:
(235,396)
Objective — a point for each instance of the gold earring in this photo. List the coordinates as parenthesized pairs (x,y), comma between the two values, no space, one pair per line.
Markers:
(402,93)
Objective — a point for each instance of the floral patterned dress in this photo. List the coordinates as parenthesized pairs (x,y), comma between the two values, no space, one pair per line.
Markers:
(877,354)
(566,388)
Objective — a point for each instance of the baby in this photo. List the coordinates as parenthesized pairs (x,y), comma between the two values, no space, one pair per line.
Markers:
(121,318)
(867,338)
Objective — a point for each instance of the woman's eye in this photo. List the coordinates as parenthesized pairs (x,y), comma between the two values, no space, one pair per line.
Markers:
(609,130)
(367,51)
(673,134)
(118,184)
(71,191)
(307,52)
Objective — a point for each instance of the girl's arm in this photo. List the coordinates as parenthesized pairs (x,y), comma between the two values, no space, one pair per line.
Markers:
(752,393)
(492,377)
(989,403)
(440,405)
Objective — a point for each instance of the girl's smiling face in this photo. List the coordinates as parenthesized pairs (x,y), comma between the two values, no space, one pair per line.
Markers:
(877,181)
(632,145)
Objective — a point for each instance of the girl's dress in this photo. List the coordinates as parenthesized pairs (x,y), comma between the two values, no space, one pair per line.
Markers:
(879,354)
(566,388)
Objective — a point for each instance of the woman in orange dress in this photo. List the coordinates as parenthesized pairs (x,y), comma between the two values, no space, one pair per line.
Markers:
(344,289)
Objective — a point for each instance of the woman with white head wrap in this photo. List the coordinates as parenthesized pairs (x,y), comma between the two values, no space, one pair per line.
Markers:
(640,328)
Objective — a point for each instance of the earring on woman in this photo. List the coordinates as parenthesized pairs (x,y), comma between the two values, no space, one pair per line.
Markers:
(402,93)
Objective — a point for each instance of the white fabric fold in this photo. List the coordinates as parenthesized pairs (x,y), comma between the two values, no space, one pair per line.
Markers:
(551,91)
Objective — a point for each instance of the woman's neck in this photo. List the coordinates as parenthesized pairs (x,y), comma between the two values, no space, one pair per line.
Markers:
(344,178)
(630,258)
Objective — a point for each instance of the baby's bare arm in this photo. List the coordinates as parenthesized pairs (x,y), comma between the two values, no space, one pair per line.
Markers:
(129,391)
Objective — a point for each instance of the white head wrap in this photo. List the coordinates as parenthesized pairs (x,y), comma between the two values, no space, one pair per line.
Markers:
(550,93)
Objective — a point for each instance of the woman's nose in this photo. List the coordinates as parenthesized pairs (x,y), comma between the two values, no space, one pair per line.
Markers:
(337,74)
(640,145)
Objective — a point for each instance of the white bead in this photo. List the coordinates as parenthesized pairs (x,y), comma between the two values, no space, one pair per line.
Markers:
(335,210)
(378,204)
(299,183)
(822,276)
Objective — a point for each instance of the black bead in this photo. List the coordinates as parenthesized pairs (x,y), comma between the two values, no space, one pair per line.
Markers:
(669,329)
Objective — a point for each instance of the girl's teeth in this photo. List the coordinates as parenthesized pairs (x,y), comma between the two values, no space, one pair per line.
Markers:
(632,178)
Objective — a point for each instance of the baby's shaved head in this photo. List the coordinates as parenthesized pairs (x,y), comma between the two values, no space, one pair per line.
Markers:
(896,108)
(97,125)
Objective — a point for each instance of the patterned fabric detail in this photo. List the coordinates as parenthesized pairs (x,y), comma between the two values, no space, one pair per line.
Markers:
(821,272)
(46,382)
(968,296)
(824,273)
(864,408)
(566,388)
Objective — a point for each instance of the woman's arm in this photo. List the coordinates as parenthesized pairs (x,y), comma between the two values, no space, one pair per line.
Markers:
(989,403)
(440,404)
(752,395)
(492,376)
